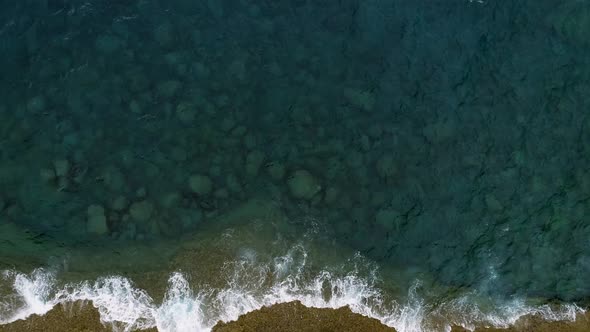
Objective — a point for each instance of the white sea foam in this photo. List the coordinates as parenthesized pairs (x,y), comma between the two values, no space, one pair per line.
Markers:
(32,295)
(251,284)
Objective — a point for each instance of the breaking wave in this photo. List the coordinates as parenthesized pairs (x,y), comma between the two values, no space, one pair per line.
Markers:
(252,284)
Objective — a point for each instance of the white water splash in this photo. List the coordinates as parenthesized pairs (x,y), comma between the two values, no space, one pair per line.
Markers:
(180,311)
(117,300)
(503,313)
(32,295)
(252,284)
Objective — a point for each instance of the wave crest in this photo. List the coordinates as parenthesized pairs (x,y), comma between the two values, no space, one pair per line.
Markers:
(252,283)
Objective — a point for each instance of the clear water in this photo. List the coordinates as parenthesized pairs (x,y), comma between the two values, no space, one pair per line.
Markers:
(423,162)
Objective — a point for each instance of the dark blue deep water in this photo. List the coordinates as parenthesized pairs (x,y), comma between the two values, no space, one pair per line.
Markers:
(423,155)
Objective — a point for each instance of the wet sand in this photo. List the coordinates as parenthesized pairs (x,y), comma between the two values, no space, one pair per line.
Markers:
(293,316)
(205,250)
(73,317)
(287,317)
(535,324)
(280,317)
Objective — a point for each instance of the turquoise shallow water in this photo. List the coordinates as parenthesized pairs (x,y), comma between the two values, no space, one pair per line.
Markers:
(443,146)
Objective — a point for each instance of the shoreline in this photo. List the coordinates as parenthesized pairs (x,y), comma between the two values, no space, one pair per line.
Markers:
(203,257)
(289,316)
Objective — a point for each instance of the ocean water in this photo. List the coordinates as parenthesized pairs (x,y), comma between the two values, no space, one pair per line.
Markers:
(183,162)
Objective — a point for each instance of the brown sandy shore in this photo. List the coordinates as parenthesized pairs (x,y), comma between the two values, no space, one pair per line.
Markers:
(208,251)
(285,317)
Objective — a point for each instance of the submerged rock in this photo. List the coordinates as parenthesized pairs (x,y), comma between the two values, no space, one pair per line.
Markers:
(254,161)
(164,35)
(168,89)
(303,185)
(141,211)
(386,166)
(571,20)
(388,219)
(216,8)
(200,184)
(108,44)
(186,113)
(47,175)
(363,99)
(96,222)
(120,203)
(276,170)
(36,104)
(62,167)
(331,195)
